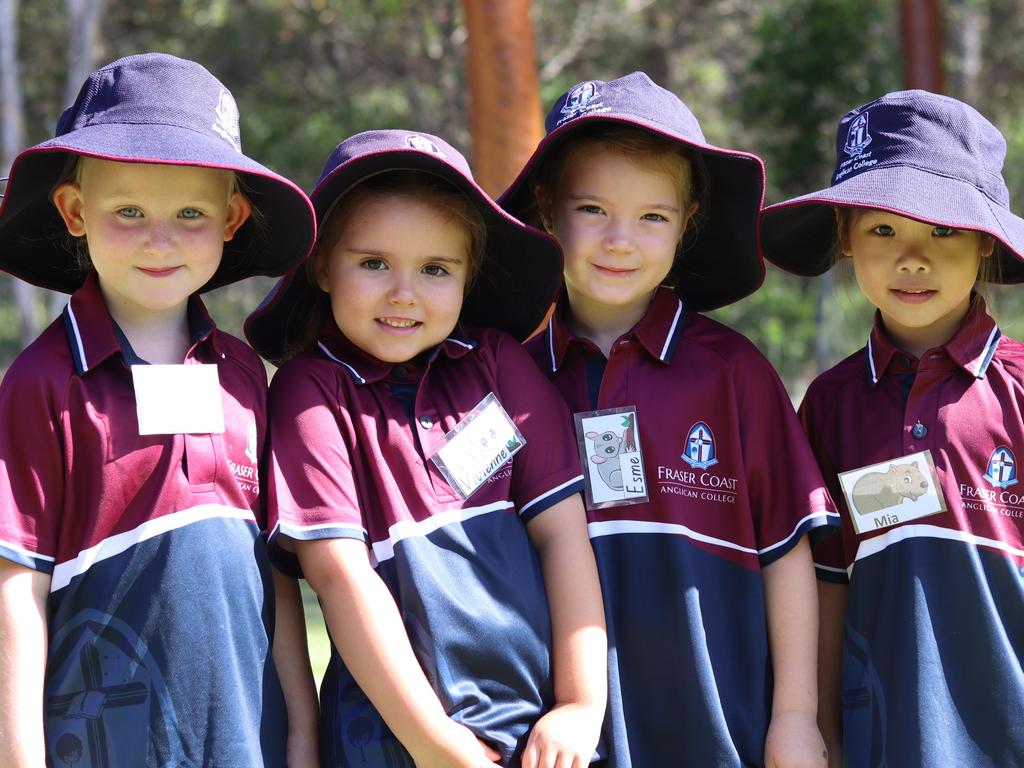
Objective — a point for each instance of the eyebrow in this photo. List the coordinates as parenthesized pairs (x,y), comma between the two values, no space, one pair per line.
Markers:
(385,254)
(597,198)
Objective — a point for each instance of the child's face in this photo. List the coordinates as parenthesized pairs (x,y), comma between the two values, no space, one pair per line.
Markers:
(619,221)
(919,275)
(156,233)
(396,274)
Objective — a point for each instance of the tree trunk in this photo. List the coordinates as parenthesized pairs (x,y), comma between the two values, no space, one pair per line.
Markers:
(504,93)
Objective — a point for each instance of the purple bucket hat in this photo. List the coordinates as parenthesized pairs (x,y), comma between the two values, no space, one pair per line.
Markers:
(913,153)
(723,262)
(149,108)
(521,270)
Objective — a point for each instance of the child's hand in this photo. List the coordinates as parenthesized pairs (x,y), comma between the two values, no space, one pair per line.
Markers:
(794,742)
(565,737)
(457,747)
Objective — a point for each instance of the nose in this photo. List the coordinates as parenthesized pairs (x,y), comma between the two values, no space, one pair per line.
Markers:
(161,238)
(912,258)
(400,290)
(618,236)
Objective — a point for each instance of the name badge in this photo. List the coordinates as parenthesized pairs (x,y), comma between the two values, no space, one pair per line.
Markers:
(475,448)
(892,492)
(613,464)
(178,399)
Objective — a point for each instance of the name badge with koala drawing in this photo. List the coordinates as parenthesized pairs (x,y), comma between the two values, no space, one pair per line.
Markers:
(613,464)
(483,441)
(891,492)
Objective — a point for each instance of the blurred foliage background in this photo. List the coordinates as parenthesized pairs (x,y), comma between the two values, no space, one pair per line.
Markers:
(771,77)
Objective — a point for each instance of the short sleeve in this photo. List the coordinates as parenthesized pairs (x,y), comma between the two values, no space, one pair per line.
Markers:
(547,469)
(32,475)
(787,494)
(311,492)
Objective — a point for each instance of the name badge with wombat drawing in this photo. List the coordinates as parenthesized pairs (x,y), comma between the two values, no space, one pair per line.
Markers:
(892,492)
(613,465)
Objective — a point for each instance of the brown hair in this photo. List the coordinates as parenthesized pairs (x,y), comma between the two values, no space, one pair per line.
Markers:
(421,186)
(673,157)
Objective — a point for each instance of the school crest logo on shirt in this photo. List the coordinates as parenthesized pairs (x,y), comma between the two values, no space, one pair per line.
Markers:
(225,122)
(1002,468)
(857,138)
(700,451)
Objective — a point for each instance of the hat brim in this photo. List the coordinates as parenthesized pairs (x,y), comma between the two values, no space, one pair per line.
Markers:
(517,282)
(798,235)
(35,246)
(722,263)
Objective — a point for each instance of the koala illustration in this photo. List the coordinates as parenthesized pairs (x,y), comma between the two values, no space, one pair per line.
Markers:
(879,490)
(607,445)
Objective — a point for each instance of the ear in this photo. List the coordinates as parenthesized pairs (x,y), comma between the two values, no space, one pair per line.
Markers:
(321,268)
(239,211)
(67,198)
(547,220)
(988,245)
(842,232)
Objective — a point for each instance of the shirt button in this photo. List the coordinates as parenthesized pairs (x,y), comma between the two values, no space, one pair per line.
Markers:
(919,431)
(400,372)
(426,422)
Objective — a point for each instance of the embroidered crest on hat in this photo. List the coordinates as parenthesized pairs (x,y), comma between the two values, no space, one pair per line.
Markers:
(423,144)
(700,447)
(226,122)
(584,98)
(857,138)
(1002,468)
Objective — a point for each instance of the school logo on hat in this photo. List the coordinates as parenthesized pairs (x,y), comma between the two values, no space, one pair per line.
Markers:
(423,144)
(581,99)
(857,138)
(1002,468)
(700,447)
(226,122)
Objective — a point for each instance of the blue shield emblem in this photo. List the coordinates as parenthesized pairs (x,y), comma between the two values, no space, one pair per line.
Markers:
(699,452)
(1002,468)
(578,99)
(858,138)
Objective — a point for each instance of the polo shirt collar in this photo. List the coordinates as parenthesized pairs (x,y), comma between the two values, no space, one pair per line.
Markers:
(364,368)
(93,336)
(658,331)
(971,348)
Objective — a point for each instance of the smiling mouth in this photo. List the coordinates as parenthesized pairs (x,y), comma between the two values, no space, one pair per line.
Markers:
(159,271)
(913,295)
(394,322)
(614,270)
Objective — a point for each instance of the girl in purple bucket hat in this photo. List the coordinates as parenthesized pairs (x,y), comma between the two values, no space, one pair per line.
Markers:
(136,597)
(917,435)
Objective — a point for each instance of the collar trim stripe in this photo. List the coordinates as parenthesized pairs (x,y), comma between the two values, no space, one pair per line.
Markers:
(990,351)
(551,344)
(871,362)
(670,341)
(75,337)
(461,343)
(64,572)
(355,374)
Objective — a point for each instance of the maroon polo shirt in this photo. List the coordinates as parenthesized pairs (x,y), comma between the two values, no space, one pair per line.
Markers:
(934,630)
(351,441)
(733,487)
(160,609)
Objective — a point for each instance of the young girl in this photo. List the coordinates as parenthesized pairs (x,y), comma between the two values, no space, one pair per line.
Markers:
(702,551)
(918,435)
(425,474)
(136,612)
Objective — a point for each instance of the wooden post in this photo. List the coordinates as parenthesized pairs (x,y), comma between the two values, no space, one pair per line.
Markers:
(504,94)
(921,23)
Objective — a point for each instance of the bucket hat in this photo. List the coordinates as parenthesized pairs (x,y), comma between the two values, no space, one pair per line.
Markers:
(913,153)
(519,276)
(722,263)
(148,108)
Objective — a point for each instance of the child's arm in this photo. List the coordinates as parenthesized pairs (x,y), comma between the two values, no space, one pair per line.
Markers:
(831,609)
(23,644)
(291,657)
(792,611)
(371,638)
(568,734)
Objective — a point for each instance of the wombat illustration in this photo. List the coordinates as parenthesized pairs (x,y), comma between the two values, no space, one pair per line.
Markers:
(879,490)
(607,445)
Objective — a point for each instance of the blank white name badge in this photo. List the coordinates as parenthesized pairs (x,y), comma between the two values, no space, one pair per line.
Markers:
(475,448)
(178,399)
(892,492)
